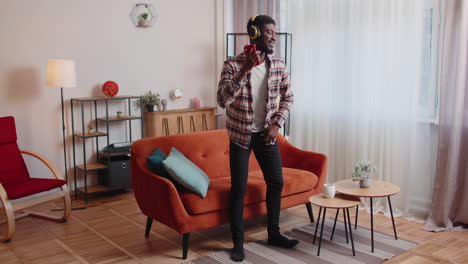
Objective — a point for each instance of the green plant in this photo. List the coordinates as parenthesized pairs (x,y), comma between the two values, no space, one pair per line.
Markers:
(143,16)
(90,127)
(150,98)
(362,170)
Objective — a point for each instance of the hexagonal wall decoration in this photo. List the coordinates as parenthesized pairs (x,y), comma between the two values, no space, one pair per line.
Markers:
(143,15)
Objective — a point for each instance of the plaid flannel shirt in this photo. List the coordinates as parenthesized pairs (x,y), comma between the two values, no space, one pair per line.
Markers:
(235,94)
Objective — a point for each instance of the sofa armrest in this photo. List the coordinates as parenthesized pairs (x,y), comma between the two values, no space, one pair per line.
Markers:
(296,158)
(157,197)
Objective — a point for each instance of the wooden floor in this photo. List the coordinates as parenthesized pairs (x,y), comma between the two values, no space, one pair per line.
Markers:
(111,230)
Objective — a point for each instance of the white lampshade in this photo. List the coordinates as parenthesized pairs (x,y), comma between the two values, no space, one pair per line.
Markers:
(61,73)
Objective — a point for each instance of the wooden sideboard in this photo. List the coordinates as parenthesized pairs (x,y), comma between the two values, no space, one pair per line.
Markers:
(183,121)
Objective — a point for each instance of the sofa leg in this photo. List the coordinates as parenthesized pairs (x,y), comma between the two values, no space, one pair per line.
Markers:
(149,222)
(309,211)
(185,245)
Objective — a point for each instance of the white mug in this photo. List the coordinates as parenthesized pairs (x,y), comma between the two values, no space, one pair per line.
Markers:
(329,190)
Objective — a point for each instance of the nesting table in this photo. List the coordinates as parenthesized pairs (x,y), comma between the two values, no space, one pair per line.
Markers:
(338,202)
(377,189)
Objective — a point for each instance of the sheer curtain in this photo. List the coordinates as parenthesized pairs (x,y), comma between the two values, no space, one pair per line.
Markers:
(450,199)
(243,10)
(363,90)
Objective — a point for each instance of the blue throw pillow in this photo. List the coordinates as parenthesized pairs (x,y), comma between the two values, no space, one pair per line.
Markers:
(155,165)
(186,173)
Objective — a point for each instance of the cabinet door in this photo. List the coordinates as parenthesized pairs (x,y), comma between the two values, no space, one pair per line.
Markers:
(196,121)
(150,125)
(161,125)
(209,118)
(183,123)
(200,121)
(154,125)
(175,123)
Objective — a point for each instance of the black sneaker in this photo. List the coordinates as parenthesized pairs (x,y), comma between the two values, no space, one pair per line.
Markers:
(282,241)
(237,253)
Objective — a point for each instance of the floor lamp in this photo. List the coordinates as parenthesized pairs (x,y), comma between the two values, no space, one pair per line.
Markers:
(61,73)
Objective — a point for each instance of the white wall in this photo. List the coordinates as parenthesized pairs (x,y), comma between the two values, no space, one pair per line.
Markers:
(179,51)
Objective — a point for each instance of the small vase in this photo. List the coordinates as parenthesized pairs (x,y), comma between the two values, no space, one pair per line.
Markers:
(143,23)
(150,108)
(365,182)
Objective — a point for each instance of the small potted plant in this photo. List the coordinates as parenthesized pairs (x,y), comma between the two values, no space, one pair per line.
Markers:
(90,129)
(119,114)
(143,20)
(362,173)
(150,99)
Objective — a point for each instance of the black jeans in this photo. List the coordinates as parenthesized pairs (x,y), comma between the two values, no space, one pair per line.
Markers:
(269,159)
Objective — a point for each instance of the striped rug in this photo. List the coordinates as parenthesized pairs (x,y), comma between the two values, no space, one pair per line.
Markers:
(336,251)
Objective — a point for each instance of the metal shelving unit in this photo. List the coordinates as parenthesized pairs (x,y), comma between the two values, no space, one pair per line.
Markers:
(88,167)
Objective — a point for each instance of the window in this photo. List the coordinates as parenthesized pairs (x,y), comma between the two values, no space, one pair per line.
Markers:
(429,90)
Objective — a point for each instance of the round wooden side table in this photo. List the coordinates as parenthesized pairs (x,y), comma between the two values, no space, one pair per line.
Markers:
(377,189)
(338,202)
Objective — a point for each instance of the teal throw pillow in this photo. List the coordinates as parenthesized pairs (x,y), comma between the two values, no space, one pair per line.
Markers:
(186,173)
(156,166)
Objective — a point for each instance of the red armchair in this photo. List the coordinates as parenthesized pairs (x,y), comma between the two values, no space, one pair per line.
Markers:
(15,181)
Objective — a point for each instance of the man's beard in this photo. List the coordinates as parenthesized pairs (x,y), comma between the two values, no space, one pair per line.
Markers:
(266,50)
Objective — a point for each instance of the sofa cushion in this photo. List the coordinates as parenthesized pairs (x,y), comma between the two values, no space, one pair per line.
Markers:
(23,188)
(217,198)
(186,173)
(155,164)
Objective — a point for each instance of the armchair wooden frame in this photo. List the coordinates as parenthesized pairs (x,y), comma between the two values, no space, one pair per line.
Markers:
(9,208)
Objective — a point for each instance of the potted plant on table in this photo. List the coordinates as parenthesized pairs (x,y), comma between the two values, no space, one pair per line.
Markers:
(363,171)
(150,99)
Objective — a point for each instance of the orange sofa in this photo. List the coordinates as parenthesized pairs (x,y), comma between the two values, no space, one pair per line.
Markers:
(304,174)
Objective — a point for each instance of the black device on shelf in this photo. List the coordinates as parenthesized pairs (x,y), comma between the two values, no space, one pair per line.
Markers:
(114,148)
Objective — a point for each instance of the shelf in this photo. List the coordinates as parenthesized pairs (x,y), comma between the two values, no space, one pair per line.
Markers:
(179,111)
(98,166)
(105,154)
(99,188)
(87,135)
(92,166)
(114,118)
(99,98)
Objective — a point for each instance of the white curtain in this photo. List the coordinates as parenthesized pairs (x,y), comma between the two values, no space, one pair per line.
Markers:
(364,90)
(450,200)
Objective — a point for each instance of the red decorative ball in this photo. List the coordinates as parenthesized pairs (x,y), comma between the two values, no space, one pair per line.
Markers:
(110,88)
